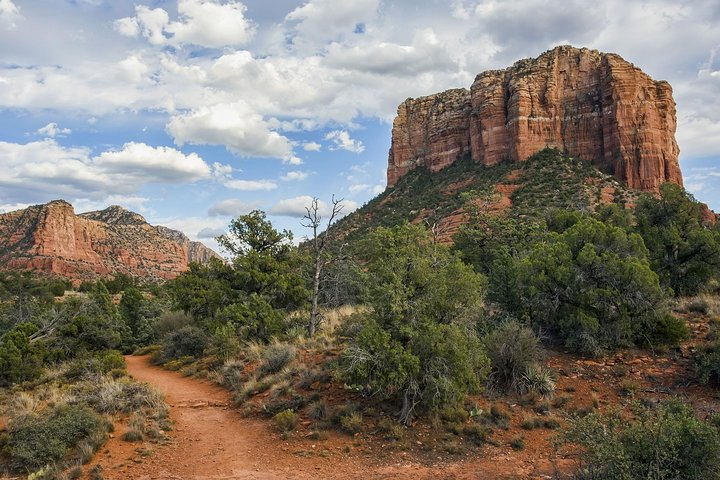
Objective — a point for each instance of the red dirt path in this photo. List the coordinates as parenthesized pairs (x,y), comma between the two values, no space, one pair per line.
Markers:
(211,440)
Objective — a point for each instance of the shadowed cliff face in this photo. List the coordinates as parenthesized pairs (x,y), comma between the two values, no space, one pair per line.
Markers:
(52,239)
(595,106)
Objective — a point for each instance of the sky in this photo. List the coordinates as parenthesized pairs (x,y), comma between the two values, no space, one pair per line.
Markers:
(193,112)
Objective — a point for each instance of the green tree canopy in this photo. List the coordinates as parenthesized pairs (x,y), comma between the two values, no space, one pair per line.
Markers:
(684,249)
(592,286)
(415,347)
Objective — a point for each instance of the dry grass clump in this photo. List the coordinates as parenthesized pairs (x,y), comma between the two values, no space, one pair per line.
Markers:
(704,304)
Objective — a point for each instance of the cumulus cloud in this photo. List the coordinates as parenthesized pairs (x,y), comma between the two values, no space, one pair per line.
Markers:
(296,175)
(426,53)
(232,207)
(236,125)
(296,207)
(321,20)
(9,14)
(341,141)
(250,185)
(32,169)
(52,130)
(206,23)
(312,147)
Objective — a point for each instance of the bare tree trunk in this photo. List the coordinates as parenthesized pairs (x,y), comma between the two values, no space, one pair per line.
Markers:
(312,219)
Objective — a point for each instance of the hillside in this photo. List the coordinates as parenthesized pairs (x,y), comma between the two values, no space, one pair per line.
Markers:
(52,239)
(548,179)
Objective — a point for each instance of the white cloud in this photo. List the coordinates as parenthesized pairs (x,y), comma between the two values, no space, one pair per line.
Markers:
(250,185)
(235,125)
(207,23)
(342,141)
(362,187)
(312,147)
(211,24)
(232,207)
(209,232)
(318,21)
(11,207)
(9,14)
(294,176)
(296,207)
(425,54)
(166,163)
(32,169)
(52,130)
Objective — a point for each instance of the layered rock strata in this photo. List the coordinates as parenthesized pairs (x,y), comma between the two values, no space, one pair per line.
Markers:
(52,239)
(594,105)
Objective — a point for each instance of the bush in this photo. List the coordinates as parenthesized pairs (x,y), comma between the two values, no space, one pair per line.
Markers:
(707,363)
(592,287)
(97,364)
(285,421)
(512,348)
(669,442)
(275,357)
(20,360)
(36,441)
(351,423)
(538,379)
(169,322)
(110,395)
(189,341)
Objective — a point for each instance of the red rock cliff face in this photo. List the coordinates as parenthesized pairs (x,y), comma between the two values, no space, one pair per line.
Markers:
(50,238)
(595,105)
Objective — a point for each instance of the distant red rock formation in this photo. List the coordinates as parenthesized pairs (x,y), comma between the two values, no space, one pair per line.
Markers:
(52,239)
(595,105)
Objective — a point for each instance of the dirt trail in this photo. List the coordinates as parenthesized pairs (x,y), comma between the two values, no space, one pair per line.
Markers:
(211,440)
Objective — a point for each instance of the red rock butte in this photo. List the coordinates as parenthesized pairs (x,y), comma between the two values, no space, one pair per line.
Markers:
(53,240)
(596,106)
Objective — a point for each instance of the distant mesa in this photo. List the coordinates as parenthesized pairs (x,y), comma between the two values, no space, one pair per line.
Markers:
(52,239)
(594,106)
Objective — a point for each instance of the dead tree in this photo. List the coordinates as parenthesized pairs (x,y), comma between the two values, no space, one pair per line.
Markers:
(313,219)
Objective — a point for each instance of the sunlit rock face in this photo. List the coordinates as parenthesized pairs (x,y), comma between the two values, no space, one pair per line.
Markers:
(594,105)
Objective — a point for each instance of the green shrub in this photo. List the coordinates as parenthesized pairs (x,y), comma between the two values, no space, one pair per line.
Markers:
(36,441)
(666,443)
(592,287)
(538,379)
(512,349)
(189,341)
(20,360)
(285,421)
(275,357)
(98,363)
(707,363)
(518,443)
(351,423)
(169,322)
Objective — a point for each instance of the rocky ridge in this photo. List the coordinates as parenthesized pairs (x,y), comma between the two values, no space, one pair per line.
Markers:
(595,106)
(52,239)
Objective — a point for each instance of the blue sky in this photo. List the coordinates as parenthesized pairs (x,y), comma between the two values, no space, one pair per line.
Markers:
(192,112)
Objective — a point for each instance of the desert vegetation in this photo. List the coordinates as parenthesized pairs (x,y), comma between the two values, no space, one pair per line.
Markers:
(398,333)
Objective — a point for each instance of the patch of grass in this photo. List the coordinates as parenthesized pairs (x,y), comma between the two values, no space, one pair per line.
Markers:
(285,421)
(275,357)
(391,430)
(351,423)
(629,388)
(517,443)
(532,422)
(136,427)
